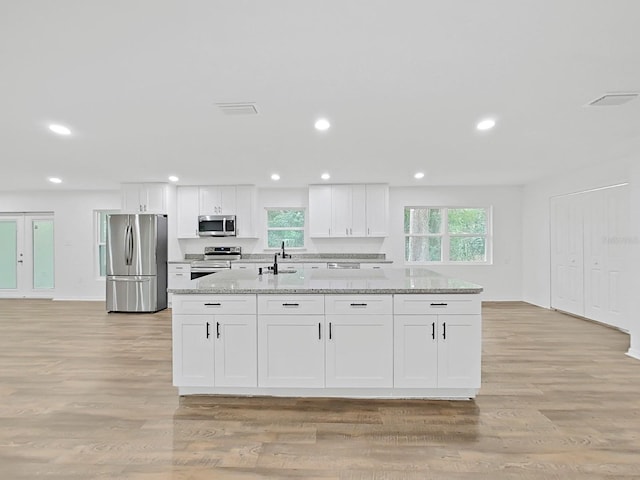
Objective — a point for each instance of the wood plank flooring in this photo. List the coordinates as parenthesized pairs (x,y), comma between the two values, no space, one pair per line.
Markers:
(88,395)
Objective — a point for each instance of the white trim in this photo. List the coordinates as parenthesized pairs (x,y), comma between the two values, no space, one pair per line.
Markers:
(634,353)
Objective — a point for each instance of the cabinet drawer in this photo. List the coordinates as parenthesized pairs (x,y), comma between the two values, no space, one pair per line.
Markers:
(358,304)
(179,268)
(290,304)
(435,304)
(229,304)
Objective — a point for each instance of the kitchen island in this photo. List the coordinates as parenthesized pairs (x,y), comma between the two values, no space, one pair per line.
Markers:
(389,333)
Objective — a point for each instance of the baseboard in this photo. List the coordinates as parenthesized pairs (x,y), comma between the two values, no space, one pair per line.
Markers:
(76,299)
(634,353)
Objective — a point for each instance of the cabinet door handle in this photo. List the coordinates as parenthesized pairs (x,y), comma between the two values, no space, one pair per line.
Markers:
(329,330)
(212,304)
(217,329)
(358,304)
(207,329)
(179,274)
(319,331)
(433,330)
(290,304)
(444,331)
(438,304)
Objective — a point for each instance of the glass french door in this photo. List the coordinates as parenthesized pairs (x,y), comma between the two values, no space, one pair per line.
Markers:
(27,266)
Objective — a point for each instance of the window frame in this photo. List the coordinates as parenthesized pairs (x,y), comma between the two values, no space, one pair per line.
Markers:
(446,236)
(303,228)
(97,241)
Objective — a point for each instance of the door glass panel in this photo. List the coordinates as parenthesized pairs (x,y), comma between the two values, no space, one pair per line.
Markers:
(8,254)
(43,254)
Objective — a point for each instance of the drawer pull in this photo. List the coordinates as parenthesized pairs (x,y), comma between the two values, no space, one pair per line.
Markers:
(358,304)
(438,304)
(212,304)
(290,304)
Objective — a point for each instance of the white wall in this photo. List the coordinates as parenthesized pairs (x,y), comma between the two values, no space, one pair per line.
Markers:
(634,324)
(502,281)
(75,274)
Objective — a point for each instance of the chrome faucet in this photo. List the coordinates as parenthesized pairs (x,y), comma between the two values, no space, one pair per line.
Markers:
(275,264)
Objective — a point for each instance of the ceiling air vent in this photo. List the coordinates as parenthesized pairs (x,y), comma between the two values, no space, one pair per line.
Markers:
(612,99)
(242,108)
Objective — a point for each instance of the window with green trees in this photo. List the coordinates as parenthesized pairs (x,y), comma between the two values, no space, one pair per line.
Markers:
(447,235)
(285,225)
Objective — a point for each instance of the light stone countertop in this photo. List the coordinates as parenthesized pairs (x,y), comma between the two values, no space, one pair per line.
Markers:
(327,282)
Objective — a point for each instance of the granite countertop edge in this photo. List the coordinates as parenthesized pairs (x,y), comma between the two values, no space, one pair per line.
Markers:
(326,291)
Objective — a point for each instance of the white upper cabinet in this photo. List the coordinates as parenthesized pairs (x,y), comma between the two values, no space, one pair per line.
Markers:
(377,210)
(348,210)
(240,200)
(320,210)
(188,209)
(246,211)
(218,200)
(144,198)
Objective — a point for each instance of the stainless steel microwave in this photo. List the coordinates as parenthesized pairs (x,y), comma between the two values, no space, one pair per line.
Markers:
(217,226)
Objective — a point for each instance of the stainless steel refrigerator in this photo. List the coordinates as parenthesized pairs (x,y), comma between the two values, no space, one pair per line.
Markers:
(136,263)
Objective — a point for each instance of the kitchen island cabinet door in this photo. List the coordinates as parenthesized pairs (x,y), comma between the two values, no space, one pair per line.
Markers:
(193,358)
(236,363)
(459,351)
(291,351)
(359,350)
(415,351)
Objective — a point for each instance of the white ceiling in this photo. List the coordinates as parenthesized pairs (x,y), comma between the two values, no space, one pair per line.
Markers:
(403,83)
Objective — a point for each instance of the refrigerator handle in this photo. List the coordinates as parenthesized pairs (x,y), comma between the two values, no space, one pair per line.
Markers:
(126,245)
(130,244)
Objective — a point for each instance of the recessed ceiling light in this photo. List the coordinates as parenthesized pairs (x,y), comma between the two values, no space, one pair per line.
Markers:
(322,124)
(275,177)
(418,175)
(173,178)
(59,129)
(55,180)
(325,176)
(486,124)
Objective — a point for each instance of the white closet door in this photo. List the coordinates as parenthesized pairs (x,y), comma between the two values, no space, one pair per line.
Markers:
(595,232)
(567,267)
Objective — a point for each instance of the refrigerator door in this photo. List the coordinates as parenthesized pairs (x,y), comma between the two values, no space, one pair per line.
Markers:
(132,294)
(144,230)
(118,244)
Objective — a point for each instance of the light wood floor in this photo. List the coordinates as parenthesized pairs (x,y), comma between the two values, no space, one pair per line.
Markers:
(86,395)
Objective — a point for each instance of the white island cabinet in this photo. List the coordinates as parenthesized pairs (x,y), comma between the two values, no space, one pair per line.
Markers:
(359,342)
(290,341)
(214,341)
(437,341)
(389,333)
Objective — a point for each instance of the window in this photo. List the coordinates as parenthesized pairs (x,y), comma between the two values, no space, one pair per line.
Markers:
(447,235)
(101,240)
(285,225)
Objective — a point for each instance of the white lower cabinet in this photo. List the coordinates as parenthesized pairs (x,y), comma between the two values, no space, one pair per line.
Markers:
(384,345)
(291,341)
(215,349)
(291,351)
(437,342)
(359,343)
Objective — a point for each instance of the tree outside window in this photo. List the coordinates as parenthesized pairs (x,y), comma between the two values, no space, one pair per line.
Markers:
(285,225)
(447,235)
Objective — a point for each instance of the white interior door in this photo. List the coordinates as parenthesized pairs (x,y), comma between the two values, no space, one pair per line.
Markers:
(27,265)
(567,250)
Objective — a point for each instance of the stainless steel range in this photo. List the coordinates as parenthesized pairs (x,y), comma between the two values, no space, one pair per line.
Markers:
(216,259)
